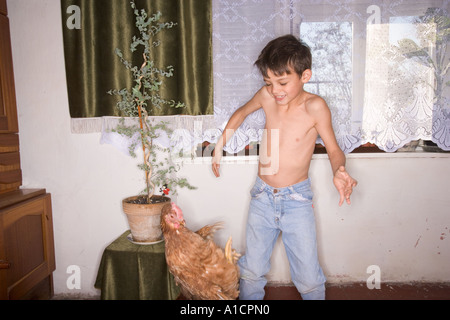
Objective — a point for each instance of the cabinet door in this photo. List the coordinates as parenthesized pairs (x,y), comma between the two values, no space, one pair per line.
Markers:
(8,112)
(28,246)
(10,171)
(3,9)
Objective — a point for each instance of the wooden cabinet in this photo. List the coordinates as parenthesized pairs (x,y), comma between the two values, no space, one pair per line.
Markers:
(27,255)
(8,110)
(10,172)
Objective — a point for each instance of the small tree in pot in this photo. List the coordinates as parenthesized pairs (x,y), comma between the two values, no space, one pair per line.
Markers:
(144,211)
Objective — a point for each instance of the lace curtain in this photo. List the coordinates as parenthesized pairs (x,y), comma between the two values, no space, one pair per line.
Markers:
(382,66)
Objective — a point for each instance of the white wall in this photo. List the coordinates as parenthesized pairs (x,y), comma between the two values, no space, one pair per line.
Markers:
(399,218)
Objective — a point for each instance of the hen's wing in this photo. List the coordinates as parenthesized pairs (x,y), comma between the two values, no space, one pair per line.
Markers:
(207,232)
(200,267)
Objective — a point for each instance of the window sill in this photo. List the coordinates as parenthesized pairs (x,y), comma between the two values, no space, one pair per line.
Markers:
(378,155)
(390,155)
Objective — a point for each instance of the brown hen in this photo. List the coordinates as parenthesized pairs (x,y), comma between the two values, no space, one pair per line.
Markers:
(203,270)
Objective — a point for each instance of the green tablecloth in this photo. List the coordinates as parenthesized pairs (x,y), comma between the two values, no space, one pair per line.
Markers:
(131,271)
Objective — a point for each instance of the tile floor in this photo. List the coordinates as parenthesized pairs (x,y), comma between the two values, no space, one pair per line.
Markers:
(356,291)
(359,291)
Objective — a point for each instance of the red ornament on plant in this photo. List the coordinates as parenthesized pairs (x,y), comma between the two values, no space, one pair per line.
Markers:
(164,189)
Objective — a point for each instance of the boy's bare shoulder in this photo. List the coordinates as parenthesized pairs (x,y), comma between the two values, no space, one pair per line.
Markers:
(263,98)
(313,101)
(259,100)
(316,105)
(263,94)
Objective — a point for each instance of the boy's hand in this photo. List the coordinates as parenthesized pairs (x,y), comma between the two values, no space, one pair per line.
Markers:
(216,162)
(344,183)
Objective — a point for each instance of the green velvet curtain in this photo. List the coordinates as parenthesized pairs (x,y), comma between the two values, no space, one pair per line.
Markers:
(93,68)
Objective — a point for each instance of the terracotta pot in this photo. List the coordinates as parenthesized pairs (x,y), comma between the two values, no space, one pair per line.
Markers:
(144,219)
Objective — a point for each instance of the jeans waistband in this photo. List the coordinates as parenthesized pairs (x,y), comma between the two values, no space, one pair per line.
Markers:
(300,186)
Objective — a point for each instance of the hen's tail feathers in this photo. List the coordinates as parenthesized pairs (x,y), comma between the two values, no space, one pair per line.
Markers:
(207,232)
(230,254)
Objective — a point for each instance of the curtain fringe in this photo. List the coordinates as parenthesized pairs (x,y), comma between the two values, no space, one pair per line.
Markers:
(86,125)
(102,124)
(95,125)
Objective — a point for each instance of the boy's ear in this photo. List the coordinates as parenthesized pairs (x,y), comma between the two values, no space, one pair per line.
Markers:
(306,75)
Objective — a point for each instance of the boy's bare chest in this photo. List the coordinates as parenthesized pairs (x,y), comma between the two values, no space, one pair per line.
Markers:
(290,126)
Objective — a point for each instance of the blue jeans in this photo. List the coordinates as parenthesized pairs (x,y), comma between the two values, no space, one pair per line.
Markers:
(290,211)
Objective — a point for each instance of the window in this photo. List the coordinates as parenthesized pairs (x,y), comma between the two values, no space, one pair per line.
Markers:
(331,47)
(371,62)
(382,71)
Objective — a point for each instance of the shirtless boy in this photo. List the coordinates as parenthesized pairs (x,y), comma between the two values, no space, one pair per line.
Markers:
(282,196)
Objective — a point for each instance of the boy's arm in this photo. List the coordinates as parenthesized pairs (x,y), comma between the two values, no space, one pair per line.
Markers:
(343,182)
(233,124)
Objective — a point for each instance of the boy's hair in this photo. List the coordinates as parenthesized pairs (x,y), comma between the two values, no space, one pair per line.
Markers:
(284,54)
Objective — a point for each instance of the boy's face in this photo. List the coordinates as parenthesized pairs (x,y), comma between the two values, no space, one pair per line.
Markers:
(287,87)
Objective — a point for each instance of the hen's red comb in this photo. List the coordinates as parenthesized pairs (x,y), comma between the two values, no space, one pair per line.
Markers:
(177,211)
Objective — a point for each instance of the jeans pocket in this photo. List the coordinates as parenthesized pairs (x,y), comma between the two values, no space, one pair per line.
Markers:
(305,196)
(256,192)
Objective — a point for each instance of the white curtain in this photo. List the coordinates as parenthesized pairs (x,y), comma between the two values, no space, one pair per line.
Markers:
(382,66)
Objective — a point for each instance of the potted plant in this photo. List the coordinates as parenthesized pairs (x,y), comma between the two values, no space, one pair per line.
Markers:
(144,211)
